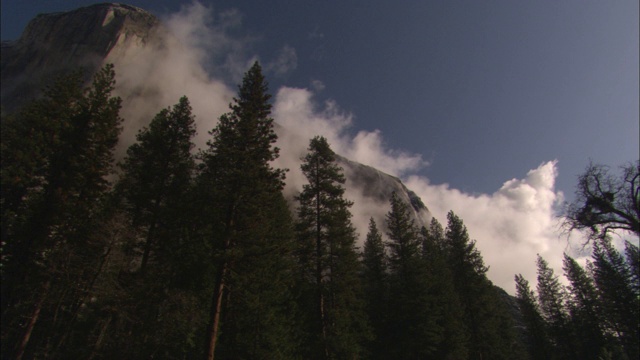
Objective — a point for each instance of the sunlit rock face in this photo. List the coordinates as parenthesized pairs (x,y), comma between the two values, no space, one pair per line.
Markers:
(377,186)
(86,37)
(58,42)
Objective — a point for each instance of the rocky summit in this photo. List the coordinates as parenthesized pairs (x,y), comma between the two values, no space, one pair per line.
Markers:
(53,43)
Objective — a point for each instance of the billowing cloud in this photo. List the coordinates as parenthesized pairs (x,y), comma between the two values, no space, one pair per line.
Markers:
(154,76)
(301,118)
(511,225)
(296,110)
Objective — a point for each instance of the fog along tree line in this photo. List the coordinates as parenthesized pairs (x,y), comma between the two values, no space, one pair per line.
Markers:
(200,257)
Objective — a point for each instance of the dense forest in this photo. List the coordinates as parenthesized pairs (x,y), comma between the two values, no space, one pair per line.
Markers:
(178,254)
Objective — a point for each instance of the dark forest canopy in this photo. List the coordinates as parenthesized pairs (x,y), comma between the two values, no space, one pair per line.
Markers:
(199,256)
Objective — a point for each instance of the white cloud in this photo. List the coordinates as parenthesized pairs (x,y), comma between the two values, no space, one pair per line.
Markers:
(286,62)
(296,110)
(173,64)
(367,147)
(207,35)
(511,225)
(302,118)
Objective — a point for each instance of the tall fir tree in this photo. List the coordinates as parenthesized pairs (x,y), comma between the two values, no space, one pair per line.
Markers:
(455,342)
(415,321)
(585,317)
(250,231)
(489,329)
(552,300)
(619,302)
(54,179)
(376,288)
(328,259)
(633,261)
(539,346)
(157,174)
(156,180)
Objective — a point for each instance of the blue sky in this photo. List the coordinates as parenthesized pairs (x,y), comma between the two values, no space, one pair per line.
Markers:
(503,102)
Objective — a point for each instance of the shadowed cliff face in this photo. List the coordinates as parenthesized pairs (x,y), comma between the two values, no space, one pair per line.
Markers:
(87,37)
(54,43)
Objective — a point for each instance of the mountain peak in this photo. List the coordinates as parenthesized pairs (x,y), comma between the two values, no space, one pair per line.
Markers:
(97,24)
(57,42)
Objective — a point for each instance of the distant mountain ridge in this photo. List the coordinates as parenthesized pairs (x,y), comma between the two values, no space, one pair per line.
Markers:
(58,42)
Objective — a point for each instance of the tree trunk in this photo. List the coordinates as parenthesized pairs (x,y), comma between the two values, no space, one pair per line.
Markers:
(150,234)
(98,344)
(32,322)
(216,309)
(219,288)
(147,247)
(86,292)
(321,314)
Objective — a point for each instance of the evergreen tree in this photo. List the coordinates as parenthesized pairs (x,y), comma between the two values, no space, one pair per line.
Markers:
(55,164)
(633,262)
(249,231)
(376,288)
(552,297)
(415,320)
(488,325)
(328,259)
(619,301)
(454,344)
(434,240)
(156,179)
(584,311)
(157,173)
(538,342)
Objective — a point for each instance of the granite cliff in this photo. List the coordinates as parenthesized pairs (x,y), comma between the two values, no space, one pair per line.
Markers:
(58,42)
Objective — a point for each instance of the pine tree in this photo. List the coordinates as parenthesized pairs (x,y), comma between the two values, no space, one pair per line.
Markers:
(488,326)
(328,259)
(157,173)
(434,239)
(376,288)
(633,261)
(415,319)
(552,299)
(454,344)
(538,342)
(67,139)
(619,302)
(583,310)
(156,180)
(249,231)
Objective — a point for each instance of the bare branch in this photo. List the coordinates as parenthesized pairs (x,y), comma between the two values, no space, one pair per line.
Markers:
(605,203)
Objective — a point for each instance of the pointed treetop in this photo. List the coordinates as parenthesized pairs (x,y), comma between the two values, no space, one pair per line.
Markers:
(253,95)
